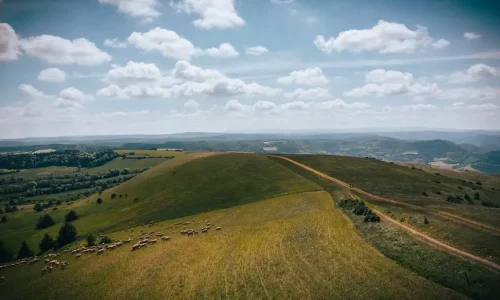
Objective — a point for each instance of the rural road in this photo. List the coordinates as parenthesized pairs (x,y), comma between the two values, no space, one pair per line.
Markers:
(422,236)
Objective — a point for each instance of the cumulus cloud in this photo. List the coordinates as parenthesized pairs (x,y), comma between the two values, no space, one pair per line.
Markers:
(282,1)
(168,42)
(264,106)
(133,72)
(483,106)
(115,43)
(474,73)
(256,51)
(311,76)
(31,91)
(314,93)
(56,50)
(145,9)
(235,106)
(172,45)
(9,43)
(52,75)
(218,14)
(224,50)
(382,83)
(187,80)
(72,98)
(385,37)
(191,104)
(472,35)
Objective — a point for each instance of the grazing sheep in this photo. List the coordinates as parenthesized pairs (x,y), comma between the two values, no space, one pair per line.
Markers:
(100,251)
(78,255)
(2,279)
(218,228)
(44,271)
(153,241)
(165,238)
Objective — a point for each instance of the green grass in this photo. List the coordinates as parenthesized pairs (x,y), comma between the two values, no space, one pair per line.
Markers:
(155,153)
(292,247)
(120,163)
(178,187)
(427,261)
(42,172)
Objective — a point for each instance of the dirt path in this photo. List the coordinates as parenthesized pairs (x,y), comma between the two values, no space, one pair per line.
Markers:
(422,236)
(360,191)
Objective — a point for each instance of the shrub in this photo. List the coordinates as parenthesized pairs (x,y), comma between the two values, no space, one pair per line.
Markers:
(5,255)
(425,220)
(371,217)
(113,196)
(455,199)
(24,251)
(44,221)
(477,196)
(90,240)
(460,188)
(46,243)
(479,183)
(105,240)
(99,201)
(438,193)
(71,216)
(4,219)
(67,234)
(490,204)
(425,194)
(38,207)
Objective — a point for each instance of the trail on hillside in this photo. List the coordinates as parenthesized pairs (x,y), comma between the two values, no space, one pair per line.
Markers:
(422,236)
(360,191)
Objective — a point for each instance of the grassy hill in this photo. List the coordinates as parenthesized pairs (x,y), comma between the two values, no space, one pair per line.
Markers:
(178,187)
(291,247)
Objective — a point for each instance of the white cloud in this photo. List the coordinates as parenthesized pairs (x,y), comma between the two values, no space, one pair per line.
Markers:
(256,51)
(72,98)
(382,83)
(385,37)
(302,16)
(145,9)
(474,73)
(218,14)
(468,94)
(264,106)
(339,103)
(186,80)
(483,106)
(472,36)
(31,91)
(9,43)
(133,72)
(313,93)
(235,106)
(224,50)
(311,76)
(52,75)
(57,50)
(168,42)
(191,104)
(115,43)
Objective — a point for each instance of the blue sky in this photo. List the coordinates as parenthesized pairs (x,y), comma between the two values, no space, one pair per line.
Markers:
(80,67)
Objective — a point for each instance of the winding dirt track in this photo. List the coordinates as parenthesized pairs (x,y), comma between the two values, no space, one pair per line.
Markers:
(422,236)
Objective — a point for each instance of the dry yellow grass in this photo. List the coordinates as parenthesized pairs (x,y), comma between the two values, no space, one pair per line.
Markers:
(292,247)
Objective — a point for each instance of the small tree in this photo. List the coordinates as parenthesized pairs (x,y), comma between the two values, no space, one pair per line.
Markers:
(4,219)
(67,234)
(99,201)
(425,220)
(477,196)
(5,255)
(46,243)
(424,194)
(105,240)
(71,216)
(44,221)
(90,240)
(24,251)
(38,207)
(113,196)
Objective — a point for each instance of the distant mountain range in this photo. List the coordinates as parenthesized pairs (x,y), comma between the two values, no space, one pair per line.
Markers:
(479,150)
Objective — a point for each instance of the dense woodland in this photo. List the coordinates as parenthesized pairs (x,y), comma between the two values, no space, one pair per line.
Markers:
(68,158)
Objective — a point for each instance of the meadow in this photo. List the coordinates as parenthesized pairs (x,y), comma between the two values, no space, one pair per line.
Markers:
(290,247)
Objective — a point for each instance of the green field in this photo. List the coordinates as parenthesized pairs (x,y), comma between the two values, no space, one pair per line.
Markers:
(155,153)
(41,172)
(120,163)
(292,247)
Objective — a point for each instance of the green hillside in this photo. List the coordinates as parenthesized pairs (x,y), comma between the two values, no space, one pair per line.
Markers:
(292,247)
(178,187)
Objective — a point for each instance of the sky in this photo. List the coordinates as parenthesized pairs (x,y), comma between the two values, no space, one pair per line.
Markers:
(100,67)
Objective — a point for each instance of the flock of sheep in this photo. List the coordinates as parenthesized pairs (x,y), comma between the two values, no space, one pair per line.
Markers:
(145,239)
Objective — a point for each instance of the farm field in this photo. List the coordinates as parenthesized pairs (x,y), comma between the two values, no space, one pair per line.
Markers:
(154,153)
(120,163)
(41,172)
(301,237)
